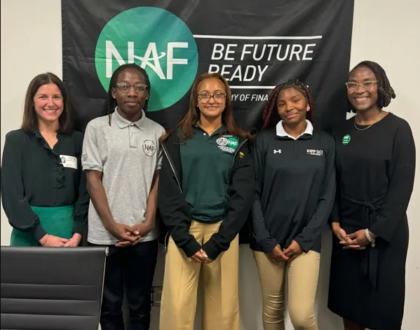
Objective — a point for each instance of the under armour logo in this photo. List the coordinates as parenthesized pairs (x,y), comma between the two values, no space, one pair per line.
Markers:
(277,151)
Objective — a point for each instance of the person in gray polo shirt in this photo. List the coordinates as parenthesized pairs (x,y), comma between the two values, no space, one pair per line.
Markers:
(122,158)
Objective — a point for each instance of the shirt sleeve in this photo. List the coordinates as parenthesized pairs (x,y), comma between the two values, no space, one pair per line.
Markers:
(15,204)
(240,200)
(91,156)
(175,211)
(335,213)
(400,188)
(259,228)
(160,155)
(325,204)
(82,202)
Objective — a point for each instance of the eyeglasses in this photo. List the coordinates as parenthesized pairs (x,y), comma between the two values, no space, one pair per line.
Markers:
(138,88)
(205,97)
(354,86)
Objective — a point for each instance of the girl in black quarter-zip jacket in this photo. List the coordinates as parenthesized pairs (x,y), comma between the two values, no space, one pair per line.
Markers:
(294,195)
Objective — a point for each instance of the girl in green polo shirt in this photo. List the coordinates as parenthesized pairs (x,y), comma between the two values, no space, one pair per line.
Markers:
(205,194)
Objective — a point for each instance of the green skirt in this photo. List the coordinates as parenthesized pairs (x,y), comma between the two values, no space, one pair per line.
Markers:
(57,221)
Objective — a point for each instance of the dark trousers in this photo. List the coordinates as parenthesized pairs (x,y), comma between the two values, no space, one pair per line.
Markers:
(131,268)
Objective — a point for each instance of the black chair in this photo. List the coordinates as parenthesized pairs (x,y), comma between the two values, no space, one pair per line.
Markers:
(51,288)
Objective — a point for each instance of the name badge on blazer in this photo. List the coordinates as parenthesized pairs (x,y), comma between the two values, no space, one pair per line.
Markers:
(68,161)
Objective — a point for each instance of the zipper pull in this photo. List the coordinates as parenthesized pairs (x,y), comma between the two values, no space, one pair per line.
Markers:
(165,243)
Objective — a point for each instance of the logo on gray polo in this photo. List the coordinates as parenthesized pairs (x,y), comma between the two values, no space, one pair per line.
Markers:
(149,148)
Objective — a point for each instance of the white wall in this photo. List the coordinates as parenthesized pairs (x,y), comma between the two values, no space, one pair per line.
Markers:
(385,31)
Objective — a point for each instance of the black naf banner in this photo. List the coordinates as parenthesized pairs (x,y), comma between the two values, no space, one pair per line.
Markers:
(255,45)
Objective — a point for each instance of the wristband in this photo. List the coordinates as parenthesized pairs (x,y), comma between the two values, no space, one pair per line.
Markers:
(370,239)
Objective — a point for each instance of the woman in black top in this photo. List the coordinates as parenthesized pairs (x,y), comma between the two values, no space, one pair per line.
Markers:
(375,176)
(294,195)
(205,195)
(43,187)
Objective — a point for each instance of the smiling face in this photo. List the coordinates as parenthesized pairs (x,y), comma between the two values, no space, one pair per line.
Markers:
(362,89)
(211,95)
(48,103)
(292,106)
(131,92)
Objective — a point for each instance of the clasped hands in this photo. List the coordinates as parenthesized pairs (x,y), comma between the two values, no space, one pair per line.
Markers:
(291,253)
(354,241)
(129,235)
(201,256)
(55,241)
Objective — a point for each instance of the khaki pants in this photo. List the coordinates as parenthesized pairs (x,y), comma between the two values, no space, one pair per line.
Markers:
(302,284)
(220,284)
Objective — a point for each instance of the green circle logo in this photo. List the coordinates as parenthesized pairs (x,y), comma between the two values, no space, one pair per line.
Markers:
(346,139)
(159,42)
(232,142)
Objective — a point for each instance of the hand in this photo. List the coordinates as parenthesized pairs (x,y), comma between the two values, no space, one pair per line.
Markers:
(74,241)
(123,233)
(293,251)
(143,228)
(129,243)
(53,241)
(344,238)
(276,255)
(200,256)
(339,232)
(208,260)
(140,230)
(359,238)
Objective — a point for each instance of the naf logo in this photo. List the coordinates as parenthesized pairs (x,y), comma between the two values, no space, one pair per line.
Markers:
(314,152)
(166,50)
(278,151)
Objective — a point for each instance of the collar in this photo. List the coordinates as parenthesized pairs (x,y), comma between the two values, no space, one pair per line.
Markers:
(282,133)
(123,123)
(38,134)
(221,129)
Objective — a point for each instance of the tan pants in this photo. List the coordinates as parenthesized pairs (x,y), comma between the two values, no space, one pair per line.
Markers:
(302,284)
(220,284)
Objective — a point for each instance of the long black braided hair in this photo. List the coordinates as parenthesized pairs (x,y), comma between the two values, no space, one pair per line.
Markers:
(270,114)
(111,103)
(385,91)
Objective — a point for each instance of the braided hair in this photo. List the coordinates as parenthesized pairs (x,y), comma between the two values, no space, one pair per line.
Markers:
(385,91)
(111,103)
(270,114)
